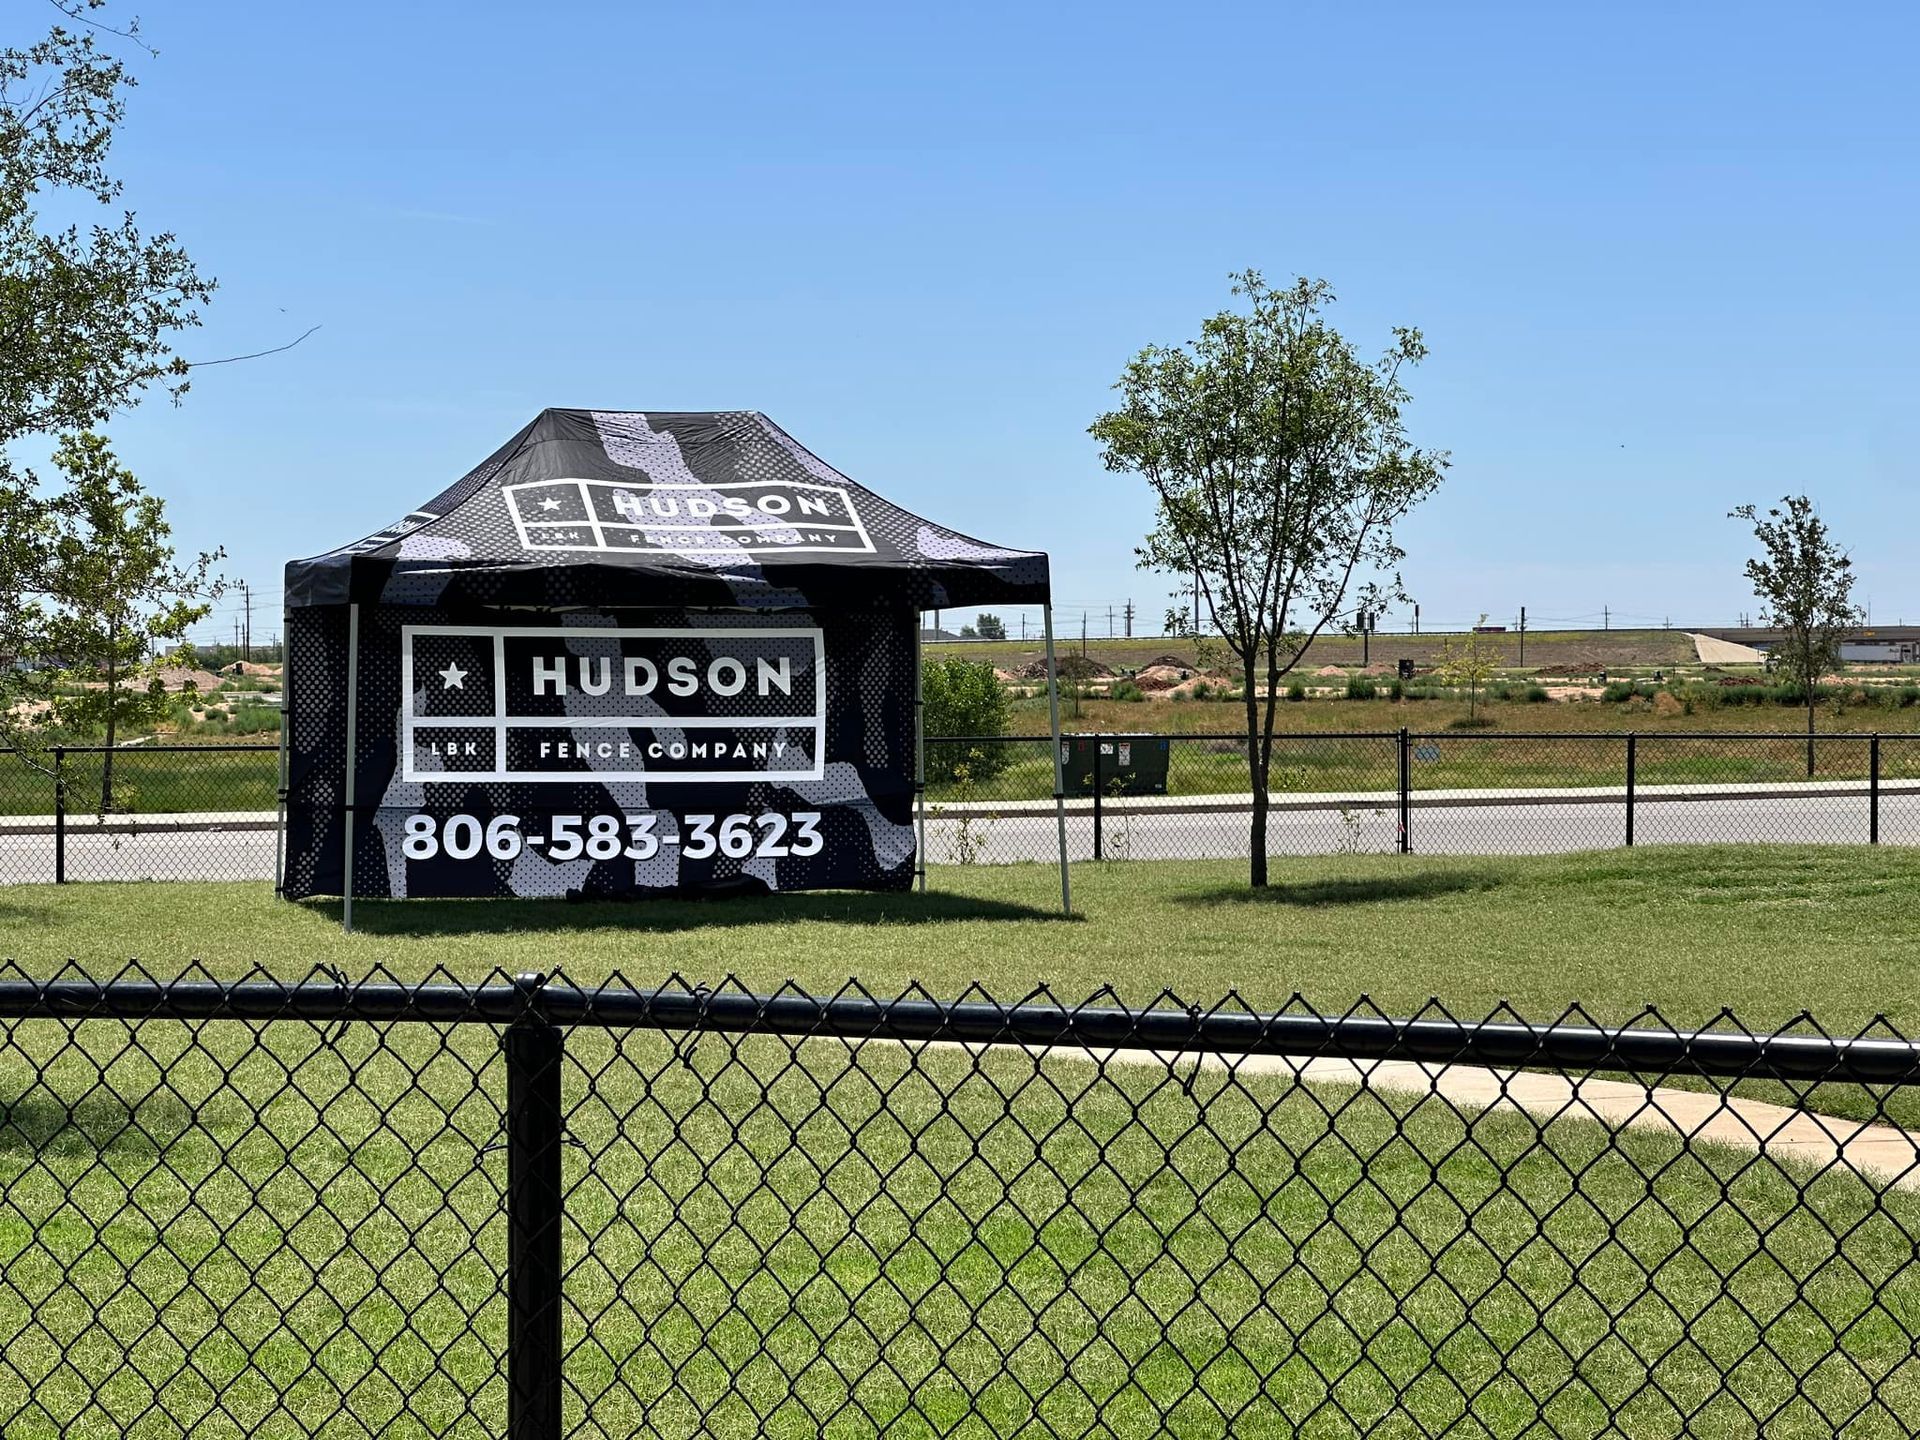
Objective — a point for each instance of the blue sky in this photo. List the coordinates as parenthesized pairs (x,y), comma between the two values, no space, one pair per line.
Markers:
(1664,257)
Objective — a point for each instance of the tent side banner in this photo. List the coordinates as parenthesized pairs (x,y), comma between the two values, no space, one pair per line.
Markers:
(520,753)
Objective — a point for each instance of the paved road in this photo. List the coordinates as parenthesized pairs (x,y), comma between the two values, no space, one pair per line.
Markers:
(240,846)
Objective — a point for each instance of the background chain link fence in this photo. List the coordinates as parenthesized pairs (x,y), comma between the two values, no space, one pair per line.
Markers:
(208,812)
(269,1209)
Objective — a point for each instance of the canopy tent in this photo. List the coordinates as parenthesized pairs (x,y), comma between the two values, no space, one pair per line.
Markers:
(575,628)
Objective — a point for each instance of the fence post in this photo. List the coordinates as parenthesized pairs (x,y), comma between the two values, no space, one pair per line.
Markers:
(1406,792)
(59,814)
(534,1137)
(1099,842)
(1633,770)
(1873,790)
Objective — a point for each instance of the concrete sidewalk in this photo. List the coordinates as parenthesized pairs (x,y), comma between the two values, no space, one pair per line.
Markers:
(1876,1153)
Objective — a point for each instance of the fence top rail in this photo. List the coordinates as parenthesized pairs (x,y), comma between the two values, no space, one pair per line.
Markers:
(1291,736)
(1230,735)
(124,750)
(1799,738)
(1433,1037)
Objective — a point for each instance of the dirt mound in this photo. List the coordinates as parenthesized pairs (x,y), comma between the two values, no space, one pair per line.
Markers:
(175,677)
(1157,677)
(1588,667)
(1071,667)
(1330,672)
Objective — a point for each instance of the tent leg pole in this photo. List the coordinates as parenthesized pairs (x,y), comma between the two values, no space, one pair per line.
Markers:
(919,755)
(286,720)
(353,715)
(1059,766)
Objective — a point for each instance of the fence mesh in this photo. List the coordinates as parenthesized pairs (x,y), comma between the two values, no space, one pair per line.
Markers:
(283,1210)
(212,1228)
(176,812)
(208,812)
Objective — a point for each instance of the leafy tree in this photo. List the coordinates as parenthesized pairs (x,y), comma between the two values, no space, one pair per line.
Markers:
(964,697)
(1279,466)
(90,591)
(1804,582)
(87,315)
(991,627)
(967,632)
(1469,661)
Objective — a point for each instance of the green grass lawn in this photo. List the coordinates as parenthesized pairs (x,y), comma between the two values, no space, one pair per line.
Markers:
(292,1230)
(1766,931)
(793,1238)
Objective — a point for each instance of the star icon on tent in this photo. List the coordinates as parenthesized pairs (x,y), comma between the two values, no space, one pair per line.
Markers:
(550,504)
(453,677)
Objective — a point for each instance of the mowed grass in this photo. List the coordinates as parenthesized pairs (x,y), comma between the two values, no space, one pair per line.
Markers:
(1767,931)
(291,1231)
(268,1231)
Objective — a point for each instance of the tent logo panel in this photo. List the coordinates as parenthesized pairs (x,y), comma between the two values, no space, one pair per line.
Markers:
(591,703)
(734,518)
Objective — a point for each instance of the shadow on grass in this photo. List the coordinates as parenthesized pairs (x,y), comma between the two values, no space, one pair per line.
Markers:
(99,1123)
(666,916)
(1315,894)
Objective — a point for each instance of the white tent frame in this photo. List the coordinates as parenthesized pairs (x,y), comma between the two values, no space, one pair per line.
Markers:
(920,757)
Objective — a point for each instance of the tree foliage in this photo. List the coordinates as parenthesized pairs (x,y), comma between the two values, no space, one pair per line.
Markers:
(991,627)
(91,597)
(87,314)
(963,697)
(1279,466)
(1804,582)
(1469,661)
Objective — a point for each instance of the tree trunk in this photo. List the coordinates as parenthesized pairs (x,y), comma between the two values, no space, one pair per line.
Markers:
(1257,782)
(113,708)
(1809,730)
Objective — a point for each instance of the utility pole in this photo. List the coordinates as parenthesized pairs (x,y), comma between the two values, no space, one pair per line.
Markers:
(1110,630)
(1416,617)
(1606,621)
(1366,637)
(1523,634)
(1129,619)
(246,644)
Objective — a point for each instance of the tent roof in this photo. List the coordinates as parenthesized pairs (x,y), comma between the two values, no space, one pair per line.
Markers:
(721,508)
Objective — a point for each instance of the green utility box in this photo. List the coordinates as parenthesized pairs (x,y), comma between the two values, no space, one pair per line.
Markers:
(1127,764)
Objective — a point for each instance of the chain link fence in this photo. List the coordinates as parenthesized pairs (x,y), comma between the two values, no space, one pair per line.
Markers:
(139,812)
(1470,792)
(523,1207)
(208,812)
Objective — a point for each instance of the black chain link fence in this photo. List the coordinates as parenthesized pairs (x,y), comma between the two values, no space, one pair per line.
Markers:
(139,812)
(527,1208)
(1473,792)
(208,812)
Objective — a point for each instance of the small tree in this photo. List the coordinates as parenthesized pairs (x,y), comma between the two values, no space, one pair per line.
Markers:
(1279,466)
(93,596)
(991,627)
(964,697)
(1471,662)
(1804,582)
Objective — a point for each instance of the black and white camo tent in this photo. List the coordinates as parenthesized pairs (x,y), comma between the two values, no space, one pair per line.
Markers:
(629,652)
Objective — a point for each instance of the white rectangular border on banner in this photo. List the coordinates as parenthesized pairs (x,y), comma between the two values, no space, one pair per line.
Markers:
(598,527)
(500,722)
